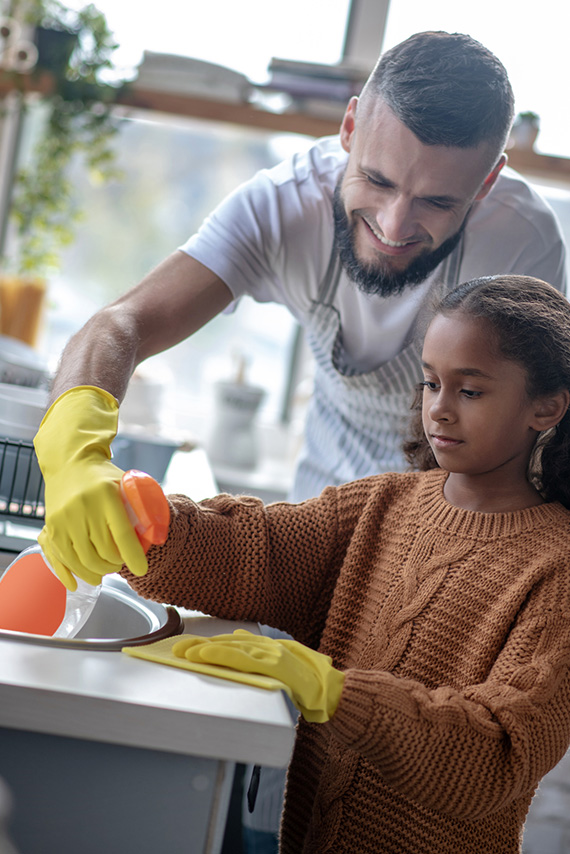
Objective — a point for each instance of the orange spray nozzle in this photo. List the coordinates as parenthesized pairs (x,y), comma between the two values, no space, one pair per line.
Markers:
(146,506)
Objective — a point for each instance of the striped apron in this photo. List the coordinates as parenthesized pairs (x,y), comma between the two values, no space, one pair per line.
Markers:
(356,422)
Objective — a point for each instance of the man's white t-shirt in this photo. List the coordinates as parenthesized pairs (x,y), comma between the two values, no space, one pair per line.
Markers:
(272,239)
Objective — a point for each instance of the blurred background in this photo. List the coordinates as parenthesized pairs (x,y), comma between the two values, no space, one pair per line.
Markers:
(175,166)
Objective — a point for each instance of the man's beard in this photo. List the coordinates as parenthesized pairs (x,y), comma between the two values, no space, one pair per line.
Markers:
(369,278)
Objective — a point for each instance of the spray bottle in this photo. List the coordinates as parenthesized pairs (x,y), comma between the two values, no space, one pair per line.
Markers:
(33,599)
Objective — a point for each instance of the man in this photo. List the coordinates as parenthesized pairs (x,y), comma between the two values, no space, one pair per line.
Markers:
(353,236)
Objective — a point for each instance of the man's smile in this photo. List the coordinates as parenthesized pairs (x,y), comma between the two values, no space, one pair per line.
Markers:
(403,245)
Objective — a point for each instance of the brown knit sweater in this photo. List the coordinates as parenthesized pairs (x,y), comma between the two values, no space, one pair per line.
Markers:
(453,628)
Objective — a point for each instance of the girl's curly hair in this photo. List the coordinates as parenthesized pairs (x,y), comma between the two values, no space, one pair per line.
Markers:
(531,324)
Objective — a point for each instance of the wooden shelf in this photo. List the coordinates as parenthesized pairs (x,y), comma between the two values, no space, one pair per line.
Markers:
(40,83)
(248,115)
(227,111)
(530,162)
(527,162)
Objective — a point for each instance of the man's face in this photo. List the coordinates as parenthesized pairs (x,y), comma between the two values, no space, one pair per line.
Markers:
(401,205)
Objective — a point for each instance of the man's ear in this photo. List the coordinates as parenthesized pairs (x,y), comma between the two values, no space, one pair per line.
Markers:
(491,178)
(348,124)
(550,410)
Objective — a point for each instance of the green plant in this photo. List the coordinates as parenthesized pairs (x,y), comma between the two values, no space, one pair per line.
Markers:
(77,121)
(528,116)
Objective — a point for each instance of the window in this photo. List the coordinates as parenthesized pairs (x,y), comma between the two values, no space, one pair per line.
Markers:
(175,171)
(174,174)
(243,35)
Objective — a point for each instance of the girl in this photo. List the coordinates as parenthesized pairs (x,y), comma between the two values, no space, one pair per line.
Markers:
(431,609)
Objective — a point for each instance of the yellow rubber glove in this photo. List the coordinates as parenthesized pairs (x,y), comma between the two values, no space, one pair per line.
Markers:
(310,680)
(87,532)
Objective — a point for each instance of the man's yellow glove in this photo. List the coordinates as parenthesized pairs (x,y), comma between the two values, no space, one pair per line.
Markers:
(308,677)
(87,532)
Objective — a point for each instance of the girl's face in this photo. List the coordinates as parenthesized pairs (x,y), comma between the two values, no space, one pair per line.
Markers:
(477,415)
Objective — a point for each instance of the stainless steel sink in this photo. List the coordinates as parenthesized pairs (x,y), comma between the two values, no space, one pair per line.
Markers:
(120,618)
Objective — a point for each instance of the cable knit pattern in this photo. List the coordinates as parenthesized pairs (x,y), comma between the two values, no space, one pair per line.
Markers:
(453,628)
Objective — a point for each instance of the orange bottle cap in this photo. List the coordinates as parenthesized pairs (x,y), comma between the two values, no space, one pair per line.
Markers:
(149,510)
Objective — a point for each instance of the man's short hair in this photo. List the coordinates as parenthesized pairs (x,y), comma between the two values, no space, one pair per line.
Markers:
(447,88)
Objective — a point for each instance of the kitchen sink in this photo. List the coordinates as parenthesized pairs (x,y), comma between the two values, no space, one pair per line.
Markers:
(120,618)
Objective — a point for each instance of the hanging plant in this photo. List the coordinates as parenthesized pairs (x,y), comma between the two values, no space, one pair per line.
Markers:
(74,47)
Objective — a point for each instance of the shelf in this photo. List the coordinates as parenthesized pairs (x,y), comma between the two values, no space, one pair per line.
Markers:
(248,115)
(40,83)
(527,162)
(227,111)
(539,165)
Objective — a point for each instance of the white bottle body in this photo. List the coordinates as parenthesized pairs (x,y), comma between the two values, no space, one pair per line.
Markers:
(78,608)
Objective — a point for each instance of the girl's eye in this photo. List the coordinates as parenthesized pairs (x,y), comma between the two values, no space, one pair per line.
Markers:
(431,385)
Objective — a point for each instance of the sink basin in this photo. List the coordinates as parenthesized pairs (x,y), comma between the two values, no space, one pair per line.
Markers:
(120,618)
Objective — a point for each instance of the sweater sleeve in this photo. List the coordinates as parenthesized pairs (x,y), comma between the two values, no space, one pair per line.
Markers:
(467,753)
(234,557)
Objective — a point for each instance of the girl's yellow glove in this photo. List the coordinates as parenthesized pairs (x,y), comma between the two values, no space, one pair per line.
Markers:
(87,532)
(308,677)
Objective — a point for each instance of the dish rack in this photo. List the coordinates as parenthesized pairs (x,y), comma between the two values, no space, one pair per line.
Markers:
(21,481)
(22,508)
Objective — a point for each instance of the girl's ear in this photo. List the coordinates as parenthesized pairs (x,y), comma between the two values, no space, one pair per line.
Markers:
(550,410)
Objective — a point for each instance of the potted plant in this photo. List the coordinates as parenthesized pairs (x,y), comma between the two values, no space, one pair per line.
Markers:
(76,120)
(525,130)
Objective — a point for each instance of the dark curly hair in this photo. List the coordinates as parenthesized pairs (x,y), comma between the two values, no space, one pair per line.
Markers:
(531,324)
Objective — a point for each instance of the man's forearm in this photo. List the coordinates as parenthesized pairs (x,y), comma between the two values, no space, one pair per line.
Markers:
(103,353)
(172,302)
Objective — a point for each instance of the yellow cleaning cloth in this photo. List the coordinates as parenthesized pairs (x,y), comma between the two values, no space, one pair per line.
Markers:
(161,653)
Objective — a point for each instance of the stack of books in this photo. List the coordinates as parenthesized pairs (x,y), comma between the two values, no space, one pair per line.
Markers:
(184,75)
(316,88)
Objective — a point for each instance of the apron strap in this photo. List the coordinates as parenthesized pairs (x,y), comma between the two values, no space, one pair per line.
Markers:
(451,266)
(329,283)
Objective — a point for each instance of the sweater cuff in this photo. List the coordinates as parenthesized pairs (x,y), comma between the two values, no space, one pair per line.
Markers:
(359,714)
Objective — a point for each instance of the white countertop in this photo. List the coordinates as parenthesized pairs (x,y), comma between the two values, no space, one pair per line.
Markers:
(112,697)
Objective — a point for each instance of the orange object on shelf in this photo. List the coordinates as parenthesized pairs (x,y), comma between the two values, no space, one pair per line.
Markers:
(22,304)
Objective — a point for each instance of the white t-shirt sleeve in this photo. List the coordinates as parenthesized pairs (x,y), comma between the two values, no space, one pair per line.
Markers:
(239,240)
(272,237)
(514,231)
